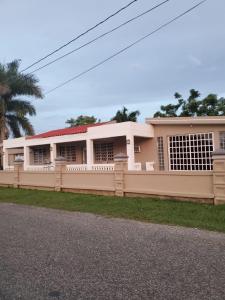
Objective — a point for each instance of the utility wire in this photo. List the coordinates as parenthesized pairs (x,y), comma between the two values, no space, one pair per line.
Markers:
(126,48)
(100,36)
(80,35)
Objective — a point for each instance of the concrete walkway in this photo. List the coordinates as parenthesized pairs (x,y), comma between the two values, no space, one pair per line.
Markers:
(51,254)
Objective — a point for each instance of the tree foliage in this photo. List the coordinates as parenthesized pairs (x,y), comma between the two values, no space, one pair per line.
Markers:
(211,105)
(123,115)
(82,120)
(13,109)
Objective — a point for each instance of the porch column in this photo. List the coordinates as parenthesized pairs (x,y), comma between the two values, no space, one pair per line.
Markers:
(90,153)
(26,157)
(53,153)
(130,151)
(5,158)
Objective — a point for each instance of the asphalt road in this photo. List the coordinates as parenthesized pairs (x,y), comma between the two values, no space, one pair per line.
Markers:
(50,254)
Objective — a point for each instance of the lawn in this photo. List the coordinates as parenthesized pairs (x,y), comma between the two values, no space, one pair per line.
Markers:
(144,209)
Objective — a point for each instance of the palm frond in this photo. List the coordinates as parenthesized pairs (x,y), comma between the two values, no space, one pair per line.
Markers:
(21,107)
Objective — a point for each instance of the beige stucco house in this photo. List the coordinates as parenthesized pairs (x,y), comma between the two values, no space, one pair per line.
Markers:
(161,144)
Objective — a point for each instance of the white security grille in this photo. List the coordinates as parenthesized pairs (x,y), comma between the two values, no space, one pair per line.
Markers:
(191,152)
(40,156)
(160,153)
(104,152)
(68,152)
(222,140)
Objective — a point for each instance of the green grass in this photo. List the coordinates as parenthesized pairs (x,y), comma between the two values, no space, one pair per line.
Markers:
(149,210)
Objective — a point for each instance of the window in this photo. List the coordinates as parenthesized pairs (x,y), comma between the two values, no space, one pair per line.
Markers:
(160,153)
(40,156)
(104,152)
(191,152)
(68,152)
(222,140)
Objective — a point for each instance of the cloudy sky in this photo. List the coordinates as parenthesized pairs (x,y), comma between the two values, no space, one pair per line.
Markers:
(189,53)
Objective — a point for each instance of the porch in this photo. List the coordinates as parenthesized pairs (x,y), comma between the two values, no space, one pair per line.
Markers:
(83,155)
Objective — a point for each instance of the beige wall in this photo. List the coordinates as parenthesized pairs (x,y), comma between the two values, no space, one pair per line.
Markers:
(37,179)
(178,185)
(147,153)
(7,178)
(88,181)
(168,130)
(173,184)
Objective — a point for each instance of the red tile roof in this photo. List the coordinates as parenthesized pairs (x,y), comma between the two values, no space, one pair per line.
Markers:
(66,131)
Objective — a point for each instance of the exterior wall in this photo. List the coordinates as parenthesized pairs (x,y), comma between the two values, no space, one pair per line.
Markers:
(146,154)
(6,178)
(168,130)
(197,186)
(37,179)
(100,132)
(93,181)
(119,132)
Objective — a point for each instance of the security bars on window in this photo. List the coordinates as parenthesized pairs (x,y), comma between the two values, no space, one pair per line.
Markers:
(68,152)
(104,152)
(191,152)
(40,156)
(222,140)
(160,153)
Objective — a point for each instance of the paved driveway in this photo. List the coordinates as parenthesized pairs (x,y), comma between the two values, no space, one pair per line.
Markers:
(48,254)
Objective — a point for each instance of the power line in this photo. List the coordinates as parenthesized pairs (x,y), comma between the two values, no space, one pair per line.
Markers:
(80,35)
(126,48)
(100,36)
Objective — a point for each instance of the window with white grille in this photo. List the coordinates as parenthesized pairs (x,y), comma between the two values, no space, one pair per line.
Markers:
(68,152)
(222,140)
(104,152)
(191,152)
(41,156)
(160,153)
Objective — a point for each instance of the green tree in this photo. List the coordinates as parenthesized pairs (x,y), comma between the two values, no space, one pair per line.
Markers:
(82,120)
(123,115)
(13,109)
(193,106)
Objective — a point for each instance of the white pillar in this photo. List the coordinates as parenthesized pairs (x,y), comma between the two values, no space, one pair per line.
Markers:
(90,153)
(53,153)
(130,151)
(26,151)
(5,158)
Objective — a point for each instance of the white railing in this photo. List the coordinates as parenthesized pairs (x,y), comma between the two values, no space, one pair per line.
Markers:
(40,168)
(150,166)
(102,167)
(74,168)
(9,168)
(137,167)
(93,167)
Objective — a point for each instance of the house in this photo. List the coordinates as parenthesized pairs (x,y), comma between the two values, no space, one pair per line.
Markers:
(161,144)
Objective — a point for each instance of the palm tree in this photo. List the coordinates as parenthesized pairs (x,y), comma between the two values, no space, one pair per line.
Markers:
(123,115)
(14,110)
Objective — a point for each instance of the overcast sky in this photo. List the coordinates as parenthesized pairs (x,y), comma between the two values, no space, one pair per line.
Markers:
(189,53)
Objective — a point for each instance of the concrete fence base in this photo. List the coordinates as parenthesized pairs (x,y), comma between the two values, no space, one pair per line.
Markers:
(202,187)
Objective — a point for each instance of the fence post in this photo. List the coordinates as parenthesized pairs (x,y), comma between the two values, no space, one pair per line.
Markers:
(219,176)
(120,166)
(60,167)
(18,167)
